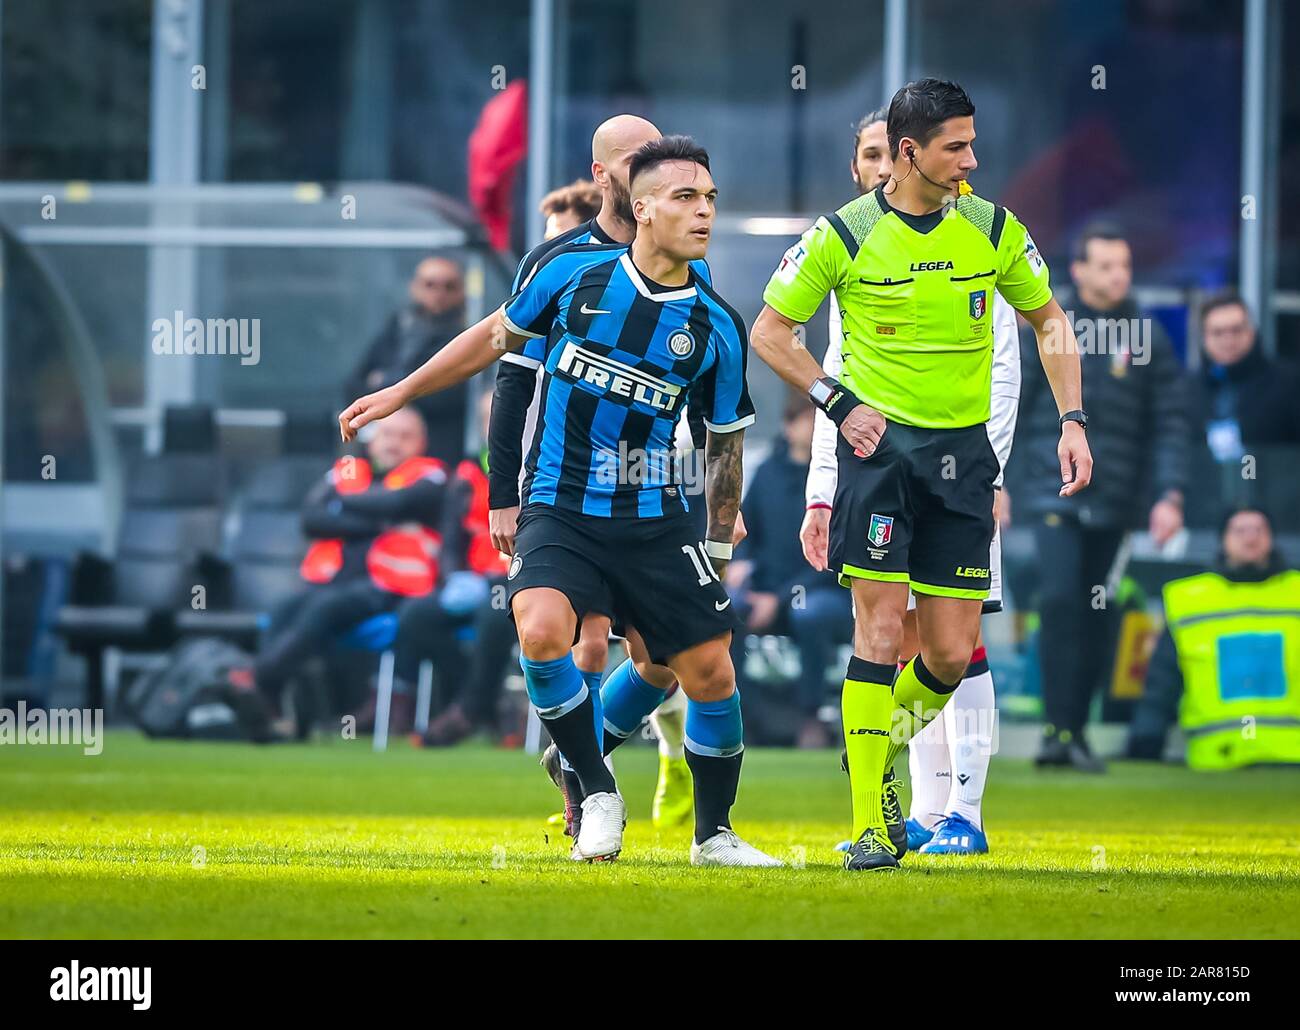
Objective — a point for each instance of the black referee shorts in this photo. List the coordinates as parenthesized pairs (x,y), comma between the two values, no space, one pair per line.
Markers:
(919,510)
(647,573)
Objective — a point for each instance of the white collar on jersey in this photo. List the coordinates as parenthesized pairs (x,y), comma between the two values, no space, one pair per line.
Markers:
(641,288)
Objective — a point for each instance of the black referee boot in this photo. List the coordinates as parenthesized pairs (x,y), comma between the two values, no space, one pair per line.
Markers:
(894,821)
(872,851)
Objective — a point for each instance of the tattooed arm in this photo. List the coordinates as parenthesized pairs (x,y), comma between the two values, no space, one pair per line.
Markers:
(723,478)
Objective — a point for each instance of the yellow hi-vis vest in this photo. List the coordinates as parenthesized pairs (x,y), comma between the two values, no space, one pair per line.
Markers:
(1239,650)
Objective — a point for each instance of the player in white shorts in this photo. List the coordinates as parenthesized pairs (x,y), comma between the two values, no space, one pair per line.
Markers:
(949,759)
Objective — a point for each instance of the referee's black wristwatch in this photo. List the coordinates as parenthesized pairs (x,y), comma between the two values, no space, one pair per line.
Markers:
(1077,415)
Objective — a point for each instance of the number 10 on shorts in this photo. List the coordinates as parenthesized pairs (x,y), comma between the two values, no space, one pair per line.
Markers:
(700,559)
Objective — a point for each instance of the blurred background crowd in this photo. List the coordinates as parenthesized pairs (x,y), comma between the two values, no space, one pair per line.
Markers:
(221,221)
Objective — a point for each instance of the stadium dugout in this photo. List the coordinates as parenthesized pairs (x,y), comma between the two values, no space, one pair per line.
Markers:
(172,364)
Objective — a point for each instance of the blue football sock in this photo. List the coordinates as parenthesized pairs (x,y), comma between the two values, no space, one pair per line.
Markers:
(568,706)
(592,679)
(715,748)
(627,699)
(715,727)
(554,687)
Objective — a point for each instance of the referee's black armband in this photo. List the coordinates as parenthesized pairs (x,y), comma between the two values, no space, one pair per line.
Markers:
(833,399)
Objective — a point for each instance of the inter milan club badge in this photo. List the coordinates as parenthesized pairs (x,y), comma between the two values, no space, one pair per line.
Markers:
(681,343)
(978,304)
(878,534)
(515,566)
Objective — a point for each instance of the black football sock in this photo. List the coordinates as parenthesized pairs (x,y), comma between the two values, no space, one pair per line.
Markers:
(716,781)
(575,737)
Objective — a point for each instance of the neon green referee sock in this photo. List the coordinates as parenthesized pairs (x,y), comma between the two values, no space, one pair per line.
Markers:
(919,697)
(865,708)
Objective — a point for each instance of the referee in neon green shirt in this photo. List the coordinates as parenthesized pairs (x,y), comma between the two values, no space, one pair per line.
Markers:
(913,265)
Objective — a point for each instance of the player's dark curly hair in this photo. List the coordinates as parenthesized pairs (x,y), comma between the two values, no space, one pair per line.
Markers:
(870,118)
(921,107)
(666,148)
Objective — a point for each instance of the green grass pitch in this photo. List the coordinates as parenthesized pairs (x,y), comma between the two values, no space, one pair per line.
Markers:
(154,839)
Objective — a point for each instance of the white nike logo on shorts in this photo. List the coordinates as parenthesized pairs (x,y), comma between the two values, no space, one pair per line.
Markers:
(722,606)
(591,311)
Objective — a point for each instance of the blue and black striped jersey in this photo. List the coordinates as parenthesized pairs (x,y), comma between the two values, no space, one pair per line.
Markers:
(619,354)
(588,234)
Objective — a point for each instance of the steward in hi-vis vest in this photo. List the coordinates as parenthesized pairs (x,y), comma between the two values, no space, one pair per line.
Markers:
(1228,663)
(1238,648)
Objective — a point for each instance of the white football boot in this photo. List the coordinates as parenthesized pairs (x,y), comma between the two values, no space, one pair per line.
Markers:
(600,837)
(725,848)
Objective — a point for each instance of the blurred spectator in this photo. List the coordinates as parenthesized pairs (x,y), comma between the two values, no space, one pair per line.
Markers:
(412,334)
(778,592)
(1241,398)
(1228,663)
(431,627)
(569,206)
(1134,390)
(372,522)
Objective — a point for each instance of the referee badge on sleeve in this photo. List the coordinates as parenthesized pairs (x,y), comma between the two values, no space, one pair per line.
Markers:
(788,269)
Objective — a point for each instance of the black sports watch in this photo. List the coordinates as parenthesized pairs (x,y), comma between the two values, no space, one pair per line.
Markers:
(1078,415)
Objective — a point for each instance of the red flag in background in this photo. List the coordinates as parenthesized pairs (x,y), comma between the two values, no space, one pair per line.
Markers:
(496,146)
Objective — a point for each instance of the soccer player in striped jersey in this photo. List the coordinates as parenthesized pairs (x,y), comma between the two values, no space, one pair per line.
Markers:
(628,332)
(638,687)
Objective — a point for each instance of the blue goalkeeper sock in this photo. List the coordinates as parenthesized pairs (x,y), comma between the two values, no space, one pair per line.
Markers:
(715,747)
(627,699)
(565,704)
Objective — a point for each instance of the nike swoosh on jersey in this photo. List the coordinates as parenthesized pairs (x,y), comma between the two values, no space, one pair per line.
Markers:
(722,606)
(591,311)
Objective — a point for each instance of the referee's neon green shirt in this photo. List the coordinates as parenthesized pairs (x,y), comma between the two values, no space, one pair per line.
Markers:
(916,299)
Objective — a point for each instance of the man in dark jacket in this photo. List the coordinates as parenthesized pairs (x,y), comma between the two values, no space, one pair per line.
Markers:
(1242,402)
(412,335)
(783,594)
(1133,386)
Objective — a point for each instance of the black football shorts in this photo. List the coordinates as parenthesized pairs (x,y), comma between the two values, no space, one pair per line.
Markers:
(648,573)
(918,511)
